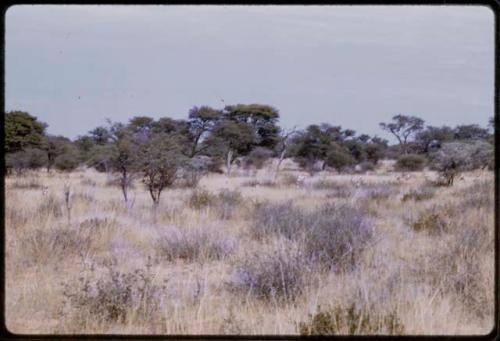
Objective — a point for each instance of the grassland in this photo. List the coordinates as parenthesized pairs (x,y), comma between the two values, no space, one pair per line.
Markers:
(346,254)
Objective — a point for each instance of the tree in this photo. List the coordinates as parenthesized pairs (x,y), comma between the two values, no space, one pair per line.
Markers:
(471,132)
(85,145)
(403,127)
(55,146)
(100,136)
(29,158)
(282,147)
(232,139)
(22,130)
(201,121)
(261,118)
(433,137)
(455,157)
(324,143)
(160,158)
(123,155)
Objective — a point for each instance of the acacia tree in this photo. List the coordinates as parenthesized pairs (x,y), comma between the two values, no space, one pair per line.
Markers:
(160,159)
(201,121)
(455,157)
(123,156)
(262,119)
(433,136)
(23,130)
(232,139)
(403,127)
(324,143)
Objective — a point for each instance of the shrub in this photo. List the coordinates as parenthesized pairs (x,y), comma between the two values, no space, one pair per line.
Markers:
(430,222)
(223,203)
(351,321)
(455,157)
(289,179)
(327,184)
(280,218)
(410,163)
(332,236)
(424,193)
(257,157)
(272,273)
(55,243)
(194,244)
(201,198)
(261,183)
(336,236)
(115,297)
(31,158)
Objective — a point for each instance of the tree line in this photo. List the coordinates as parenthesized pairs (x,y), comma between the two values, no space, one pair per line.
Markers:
(209,140)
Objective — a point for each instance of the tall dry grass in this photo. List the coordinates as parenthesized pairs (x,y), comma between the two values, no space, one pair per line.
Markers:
(341,254)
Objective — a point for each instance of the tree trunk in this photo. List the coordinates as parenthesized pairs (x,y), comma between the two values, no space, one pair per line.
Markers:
(280,160)
(124,185)
(229,161)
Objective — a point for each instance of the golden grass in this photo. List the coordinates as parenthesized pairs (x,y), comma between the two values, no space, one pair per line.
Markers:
(398,270)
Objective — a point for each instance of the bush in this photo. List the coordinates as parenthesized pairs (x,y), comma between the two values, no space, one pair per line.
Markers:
(116,297)
(257,157)
(327,184)
(351,321)
(55,244)
(67,161)
(31,158)
(410,163)
(336,236)
(289,179)
(455,157)
(424,193)
(261,183)
(280,218)
(430,222)
(223,203)
(272,273)
(194,244)
(332,236)
(201,198)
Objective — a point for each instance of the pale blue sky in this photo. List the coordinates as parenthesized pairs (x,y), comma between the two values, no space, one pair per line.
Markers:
(355,66)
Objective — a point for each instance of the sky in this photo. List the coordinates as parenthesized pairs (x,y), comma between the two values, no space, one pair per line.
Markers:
(355,66)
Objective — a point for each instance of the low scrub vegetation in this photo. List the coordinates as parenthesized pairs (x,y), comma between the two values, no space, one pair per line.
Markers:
(351,321)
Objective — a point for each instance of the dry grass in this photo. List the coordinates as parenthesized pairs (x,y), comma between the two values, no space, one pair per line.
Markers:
(339,254)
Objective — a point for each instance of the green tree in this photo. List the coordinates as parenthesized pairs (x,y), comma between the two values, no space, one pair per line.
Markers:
(403,127)
(433,136)
(261,118)
(471,132)
(160,158)
(231,139)
(202,120)
(22,130)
